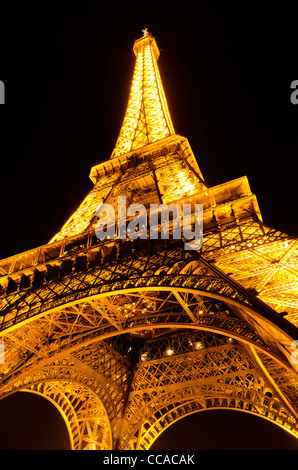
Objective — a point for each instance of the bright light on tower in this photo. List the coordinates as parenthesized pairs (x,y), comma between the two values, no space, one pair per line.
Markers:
(169,352)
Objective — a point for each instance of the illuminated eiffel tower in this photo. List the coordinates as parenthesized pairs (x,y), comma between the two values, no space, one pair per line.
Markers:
(127,336)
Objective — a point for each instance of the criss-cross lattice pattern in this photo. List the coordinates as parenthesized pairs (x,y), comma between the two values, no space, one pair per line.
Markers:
(147,117)
(126,336)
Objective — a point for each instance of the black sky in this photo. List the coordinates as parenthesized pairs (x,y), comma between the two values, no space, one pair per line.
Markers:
(226,68)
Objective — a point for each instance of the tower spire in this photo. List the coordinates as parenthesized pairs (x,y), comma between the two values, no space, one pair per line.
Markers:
(147,118)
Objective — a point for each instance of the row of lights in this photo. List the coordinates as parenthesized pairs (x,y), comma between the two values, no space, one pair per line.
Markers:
(248,244)
(170,352)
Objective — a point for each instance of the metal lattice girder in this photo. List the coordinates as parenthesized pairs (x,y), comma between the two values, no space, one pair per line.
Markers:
(83,398)
(147,117)
(126,337)
(173,370)
(165,171)
(82,409)
(149,270)
(207,369)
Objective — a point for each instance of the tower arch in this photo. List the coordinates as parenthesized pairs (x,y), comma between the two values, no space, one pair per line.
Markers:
(159,442)
(221,374)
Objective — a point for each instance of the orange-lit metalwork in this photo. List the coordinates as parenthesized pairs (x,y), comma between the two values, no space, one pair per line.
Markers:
(147,118)
(127,337)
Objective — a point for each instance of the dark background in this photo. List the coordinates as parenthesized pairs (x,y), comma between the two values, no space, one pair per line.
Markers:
(226,68)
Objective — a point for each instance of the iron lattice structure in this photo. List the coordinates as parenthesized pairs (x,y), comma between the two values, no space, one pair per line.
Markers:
(126,336)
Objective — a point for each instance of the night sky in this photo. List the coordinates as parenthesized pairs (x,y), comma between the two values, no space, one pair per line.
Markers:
(226,68)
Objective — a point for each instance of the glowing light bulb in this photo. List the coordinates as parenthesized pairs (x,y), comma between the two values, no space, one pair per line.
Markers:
(170,352)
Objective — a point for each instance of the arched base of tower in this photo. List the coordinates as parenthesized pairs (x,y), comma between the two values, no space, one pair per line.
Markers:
(32,422)
(223,429)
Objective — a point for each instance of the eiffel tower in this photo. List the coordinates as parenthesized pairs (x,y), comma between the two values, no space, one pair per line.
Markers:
(126,336)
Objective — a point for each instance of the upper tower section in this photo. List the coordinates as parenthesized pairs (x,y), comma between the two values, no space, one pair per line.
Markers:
(147,118)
